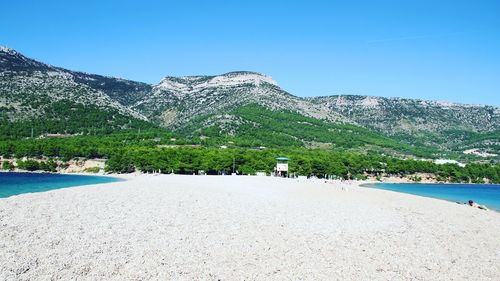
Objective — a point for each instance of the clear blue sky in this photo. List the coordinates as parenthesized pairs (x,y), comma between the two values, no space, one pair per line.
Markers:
(444,50)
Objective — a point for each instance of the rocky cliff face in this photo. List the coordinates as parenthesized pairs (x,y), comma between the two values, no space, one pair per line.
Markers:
(176,100)
(397,115)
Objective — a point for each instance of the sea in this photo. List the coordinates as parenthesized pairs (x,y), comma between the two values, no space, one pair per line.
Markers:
(482,194)
(19,183)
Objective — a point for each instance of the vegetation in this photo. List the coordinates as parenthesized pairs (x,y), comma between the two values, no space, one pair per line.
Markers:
(6,165)
(157,151)
(93,170)
(84,146)
(320,163)
(445,126)
(353,152)
(71,118)
(32,165)
(257,126)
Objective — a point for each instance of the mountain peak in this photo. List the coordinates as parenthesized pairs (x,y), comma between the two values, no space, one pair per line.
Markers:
(230,79)
(12,60)
(244,77)
(8,50)
(249,76)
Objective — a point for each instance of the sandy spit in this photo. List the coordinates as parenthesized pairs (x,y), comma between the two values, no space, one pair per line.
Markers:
(242,228)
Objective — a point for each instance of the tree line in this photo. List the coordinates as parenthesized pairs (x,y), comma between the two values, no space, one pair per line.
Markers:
(156,150)
(306,162)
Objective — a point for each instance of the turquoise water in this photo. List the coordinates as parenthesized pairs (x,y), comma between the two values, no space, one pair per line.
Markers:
(483,194)
(19,183)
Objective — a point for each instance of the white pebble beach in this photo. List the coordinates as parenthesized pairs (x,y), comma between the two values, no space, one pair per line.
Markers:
(172,227)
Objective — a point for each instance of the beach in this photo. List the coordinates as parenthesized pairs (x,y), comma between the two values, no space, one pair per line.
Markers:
(174,227)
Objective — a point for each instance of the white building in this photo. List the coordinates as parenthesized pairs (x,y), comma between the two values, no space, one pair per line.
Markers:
(281,168)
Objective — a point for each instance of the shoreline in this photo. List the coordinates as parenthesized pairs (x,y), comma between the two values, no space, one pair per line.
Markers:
(489,208)
(359,183)
(367,181)
(430,183)
(63,174)
(346,183)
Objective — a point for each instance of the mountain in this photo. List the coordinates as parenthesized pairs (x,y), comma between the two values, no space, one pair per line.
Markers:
(245,108)
(55,100)
(434,123)
(397,115)
(177,100)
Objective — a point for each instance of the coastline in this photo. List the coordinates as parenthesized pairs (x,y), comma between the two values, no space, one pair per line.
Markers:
(73,165)
(236,227)
(19,183)
(66,174)
(449,197)
(390,180)
(346,183)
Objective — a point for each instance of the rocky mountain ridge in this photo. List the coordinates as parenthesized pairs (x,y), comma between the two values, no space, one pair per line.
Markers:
(178,100)
(28,88)
(393,115)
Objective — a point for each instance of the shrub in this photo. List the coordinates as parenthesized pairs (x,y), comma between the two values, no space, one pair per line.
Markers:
(28,165)
(6,165)
(93,170)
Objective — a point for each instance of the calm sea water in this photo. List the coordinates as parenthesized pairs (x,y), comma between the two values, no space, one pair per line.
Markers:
(18,183)
(483,194)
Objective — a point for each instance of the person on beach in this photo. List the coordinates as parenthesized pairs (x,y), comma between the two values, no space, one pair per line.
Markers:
(475,205)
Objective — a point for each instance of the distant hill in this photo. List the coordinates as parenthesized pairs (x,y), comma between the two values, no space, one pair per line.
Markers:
(434,123)
(54,100)
(246,108)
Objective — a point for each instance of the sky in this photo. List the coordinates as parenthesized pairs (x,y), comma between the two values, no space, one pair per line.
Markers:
(438,50)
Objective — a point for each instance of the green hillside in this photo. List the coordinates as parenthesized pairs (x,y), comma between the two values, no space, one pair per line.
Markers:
(253,126)
(63,117)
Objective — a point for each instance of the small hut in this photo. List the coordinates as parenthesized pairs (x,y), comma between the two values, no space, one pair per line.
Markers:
(281,169)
